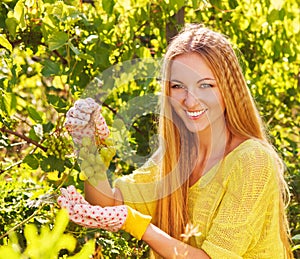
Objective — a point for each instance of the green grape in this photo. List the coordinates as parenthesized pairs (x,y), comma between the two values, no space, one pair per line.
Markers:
(107,154)
(93,149)
(82,176)
(84,164)
(57,145)
(100,176)
(91,159)
(99,160)
(86,141)
(83,153)
(63,153)
(53,147)
(93,181)
(95,163)
(89,171)
(112,150)
(109,142)
(100,168)
(104,153)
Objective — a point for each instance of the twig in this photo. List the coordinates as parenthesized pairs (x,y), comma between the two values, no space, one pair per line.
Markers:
(22,222)
(28,140)
(222,10)
(11,166)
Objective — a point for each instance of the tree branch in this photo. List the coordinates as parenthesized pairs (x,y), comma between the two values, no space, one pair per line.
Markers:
(28,140)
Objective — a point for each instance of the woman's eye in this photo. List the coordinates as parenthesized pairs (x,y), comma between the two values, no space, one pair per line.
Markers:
(177,86)
(206,86)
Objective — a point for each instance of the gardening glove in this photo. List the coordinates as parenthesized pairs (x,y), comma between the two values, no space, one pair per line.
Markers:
(113,218)
(85,120)
(69,197)
(89,132)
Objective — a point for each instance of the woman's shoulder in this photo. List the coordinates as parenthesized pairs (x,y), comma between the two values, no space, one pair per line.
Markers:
(252,147)
(252,157)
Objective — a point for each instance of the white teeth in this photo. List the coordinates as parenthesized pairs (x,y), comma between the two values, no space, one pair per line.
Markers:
(195,114)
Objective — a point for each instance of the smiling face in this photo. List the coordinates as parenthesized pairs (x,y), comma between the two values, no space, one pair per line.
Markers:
(195,97)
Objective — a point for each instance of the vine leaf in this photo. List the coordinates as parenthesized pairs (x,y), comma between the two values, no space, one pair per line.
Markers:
(5,43)
(57,40)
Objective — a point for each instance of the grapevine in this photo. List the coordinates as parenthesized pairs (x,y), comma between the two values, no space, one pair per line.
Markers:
(57,145)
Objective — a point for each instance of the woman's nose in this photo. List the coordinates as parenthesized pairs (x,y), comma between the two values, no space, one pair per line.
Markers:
(190,99)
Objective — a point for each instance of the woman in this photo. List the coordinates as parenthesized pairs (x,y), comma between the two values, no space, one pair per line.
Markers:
(214,170)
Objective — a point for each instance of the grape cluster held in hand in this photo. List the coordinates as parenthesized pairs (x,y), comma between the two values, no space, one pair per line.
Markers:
(94,163)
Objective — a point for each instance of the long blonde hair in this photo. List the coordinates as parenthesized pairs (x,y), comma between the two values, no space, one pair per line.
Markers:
(241,116)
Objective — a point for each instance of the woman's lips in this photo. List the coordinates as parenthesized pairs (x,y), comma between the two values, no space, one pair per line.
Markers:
(195,114)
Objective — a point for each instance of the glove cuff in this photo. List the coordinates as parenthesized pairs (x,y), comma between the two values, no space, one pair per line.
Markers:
(136,223)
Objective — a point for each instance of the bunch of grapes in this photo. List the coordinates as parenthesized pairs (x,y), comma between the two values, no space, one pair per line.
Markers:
(95,160)
(57,145)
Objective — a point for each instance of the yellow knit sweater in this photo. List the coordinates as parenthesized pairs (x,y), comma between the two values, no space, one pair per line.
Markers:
(235,204)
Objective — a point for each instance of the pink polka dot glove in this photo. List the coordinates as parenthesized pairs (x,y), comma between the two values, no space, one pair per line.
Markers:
(109,218)
(85,120)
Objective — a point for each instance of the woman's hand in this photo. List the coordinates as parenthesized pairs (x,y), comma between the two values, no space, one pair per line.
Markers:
(112,218)
(85,120)
(86,215)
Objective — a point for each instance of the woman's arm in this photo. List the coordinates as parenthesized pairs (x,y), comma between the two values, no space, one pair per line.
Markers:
(102,194)
(169,247)
(134,222)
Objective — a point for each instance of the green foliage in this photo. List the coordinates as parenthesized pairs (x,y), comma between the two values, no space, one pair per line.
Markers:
(45,242)
(20,197)
(29,215)
(53,52)
(121,245)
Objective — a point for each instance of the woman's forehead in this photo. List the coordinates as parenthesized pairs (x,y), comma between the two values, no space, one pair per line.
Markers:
(189,66)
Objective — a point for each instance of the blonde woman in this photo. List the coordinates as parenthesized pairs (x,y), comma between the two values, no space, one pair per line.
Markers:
(215,170)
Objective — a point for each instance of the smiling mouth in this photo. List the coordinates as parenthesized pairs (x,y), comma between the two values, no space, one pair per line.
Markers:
(195,114)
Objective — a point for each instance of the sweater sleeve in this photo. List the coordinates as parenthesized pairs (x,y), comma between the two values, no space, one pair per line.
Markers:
(139,188)
(251,189)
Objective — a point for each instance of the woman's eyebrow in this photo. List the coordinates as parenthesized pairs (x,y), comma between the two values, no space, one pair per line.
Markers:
(199,81)
(206,78)
(175,81)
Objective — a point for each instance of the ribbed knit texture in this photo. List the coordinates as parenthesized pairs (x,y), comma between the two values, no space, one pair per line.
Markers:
(235,204)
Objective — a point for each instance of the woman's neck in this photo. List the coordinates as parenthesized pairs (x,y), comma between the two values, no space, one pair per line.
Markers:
(213,149)
(213,146)
(213,142)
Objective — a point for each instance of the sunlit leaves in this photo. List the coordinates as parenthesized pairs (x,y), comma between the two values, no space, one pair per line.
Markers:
(50,68)
(19,14)
(52,163)
(46,242)
(58,103)
(32,160)
(52,50)
(8,103)
(11,25)
(57,40)
(5,43)
(16,18)
(108,6)
(34,114)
